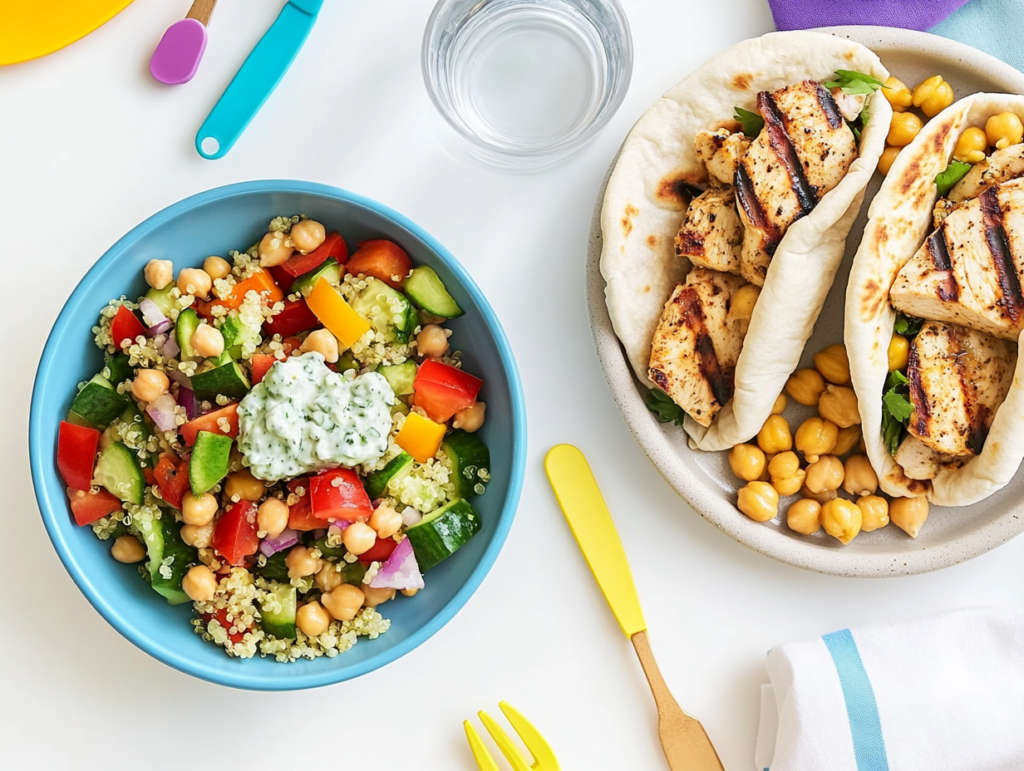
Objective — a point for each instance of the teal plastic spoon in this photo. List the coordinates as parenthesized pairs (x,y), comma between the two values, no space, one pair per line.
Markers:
(257,78)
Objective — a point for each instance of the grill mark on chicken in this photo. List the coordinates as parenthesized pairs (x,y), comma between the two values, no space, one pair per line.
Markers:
(918,397)
(689,244)
(829,107)
(775,123)
(753,208)
(693,318)
(979,430)
(999,245)
(939,251)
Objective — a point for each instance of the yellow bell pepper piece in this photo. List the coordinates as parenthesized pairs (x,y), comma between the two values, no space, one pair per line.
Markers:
(337,315)
(421,437)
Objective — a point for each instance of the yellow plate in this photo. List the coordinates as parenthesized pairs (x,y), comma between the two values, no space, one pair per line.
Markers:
(33,28)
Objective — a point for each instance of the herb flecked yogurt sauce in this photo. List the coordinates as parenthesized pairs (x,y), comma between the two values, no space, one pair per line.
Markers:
(303,417)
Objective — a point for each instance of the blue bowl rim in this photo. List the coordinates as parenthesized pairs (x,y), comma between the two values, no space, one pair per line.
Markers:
(41,448)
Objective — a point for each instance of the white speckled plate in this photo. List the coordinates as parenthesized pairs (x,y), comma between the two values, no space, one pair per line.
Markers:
(951,535)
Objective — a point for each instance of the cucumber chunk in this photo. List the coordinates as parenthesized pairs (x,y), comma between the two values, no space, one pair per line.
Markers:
(386,309)
(428,291)
(377,483)
(119,368)
(468,456)
(99,402)
(133,417)
(275,569)
(163,298)
(400,376)
(209,462)
(227,379)
(280,623)
(328,269)
(169,556)
(188,322)
(443,532)
(118,470)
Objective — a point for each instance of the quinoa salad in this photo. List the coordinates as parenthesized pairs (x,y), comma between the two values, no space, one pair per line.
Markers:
(284,438)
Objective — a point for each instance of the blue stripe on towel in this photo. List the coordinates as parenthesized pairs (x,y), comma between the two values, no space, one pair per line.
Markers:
(861,708)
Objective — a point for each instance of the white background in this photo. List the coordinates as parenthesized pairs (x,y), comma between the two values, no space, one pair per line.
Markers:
(90,145)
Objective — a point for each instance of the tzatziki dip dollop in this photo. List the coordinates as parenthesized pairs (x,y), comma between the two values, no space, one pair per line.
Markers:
(303,417)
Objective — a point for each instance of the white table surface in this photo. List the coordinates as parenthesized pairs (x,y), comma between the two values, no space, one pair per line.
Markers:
(90,145)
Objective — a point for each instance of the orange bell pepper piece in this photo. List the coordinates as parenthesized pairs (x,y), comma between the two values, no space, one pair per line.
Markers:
(261,281)
(421,437)
(337,315)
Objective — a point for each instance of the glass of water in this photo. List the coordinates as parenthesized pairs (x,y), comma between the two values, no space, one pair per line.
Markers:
(525,83)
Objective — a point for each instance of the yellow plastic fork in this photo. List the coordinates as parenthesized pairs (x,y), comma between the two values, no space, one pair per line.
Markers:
(543,758)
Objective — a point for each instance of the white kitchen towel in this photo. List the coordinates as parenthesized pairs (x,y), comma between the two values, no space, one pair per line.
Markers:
(939,694)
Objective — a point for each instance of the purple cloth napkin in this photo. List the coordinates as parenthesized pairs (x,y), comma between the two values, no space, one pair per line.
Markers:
(909,14)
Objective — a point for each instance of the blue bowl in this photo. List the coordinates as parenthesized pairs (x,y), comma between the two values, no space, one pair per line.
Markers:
(212,223)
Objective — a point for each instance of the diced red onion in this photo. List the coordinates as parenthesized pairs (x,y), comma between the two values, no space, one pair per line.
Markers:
(170,349)
(180,378)
(162,412)
(159,329)
(187,400)
(411,516)
(400,570)
(338,526)
(271,546)
(151,314)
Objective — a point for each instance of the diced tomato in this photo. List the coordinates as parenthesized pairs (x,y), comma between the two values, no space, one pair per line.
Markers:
(234,535)
(281,278)
(379,552)
(172,479)
(221,614)
(261,282)
(442,390)
(333,246)
(261,364)
(125,326)
(385,260)
(339,494)
(296,317)
(290,345)
(211,422)
(76,454)
(148,475)
(88,506)
(300,516)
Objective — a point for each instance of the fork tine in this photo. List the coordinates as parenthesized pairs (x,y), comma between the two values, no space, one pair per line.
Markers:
(480,754)
(508,749)
(535,743)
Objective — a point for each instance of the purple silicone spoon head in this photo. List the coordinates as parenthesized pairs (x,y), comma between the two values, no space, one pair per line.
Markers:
(177,56)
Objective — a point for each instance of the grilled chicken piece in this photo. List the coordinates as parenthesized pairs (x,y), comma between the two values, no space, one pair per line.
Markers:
(803,151)
(958,378)
(721,151)
(968,271)
(1002,166)
(711,233)
(942,209)
(850,105)
(697,343)
(917,459)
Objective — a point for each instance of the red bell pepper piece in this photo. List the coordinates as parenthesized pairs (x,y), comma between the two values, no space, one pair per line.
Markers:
(379,552)
(211,422)
(296,317)
(281,278)
(125,326)
(333,246)
(442,390)
(381,259)
(88,506)
(261,364)
(234,535)
(76,454)
(221,614)
(339,494)
(172,479)
(300,516)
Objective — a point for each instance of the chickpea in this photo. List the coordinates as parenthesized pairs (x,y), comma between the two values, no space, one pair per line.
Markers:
(312,620)
(839,404)
(805,386)
(970,145)
(328,577)
(898,353)
(199,583)
(471,418)
(149,385)
(275,248)
(307,235)
(743,301)
(207,341)
(833,364)
(272,517)
(1003,130)
(199,536)
(909,514)
(374,597)
(903,128)
(432,341)
(301,562)
(759,501)
(324,343)
(886,159)
(747,461)
(804,516)
(858,476)
(874,511)
(159,273)
(410,592)
(790,485)
(780,405)
(933,95)
(198,511)
(244,485)
(897,94)
(822,497)
(816,437)
(847,440)
(825,474)
(128,550)
(386,521)
(217,267)
(359,538)
(842,519)
(195,281)
(343,601)
(774,435)
(786,475)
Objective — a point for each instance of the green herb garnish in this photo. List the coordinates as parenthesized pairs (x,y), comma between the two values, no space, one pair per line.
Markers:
(908,326)
(896,409)
(666,410)
(750,122)
(854,82)
(952,174)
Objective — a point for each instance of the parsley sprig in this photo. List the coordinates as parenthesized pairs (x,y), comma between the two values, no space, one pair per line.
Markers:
(666,410)
(908,326)
(949,176)
(750,122)
(853,82)
(896,409)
